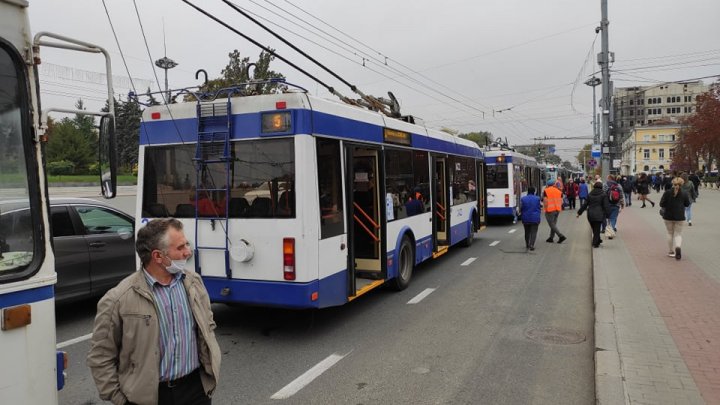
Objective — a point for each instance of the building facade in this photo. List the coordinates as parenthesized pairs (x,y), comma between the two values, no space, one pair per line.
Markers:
(650,105)
(649,149)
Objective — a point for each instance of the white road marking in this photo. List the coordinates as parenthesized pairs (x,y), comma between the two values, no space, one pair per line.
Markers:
(308,377)
(512,230)
(468,261)
(421,296)
(495,243)
(73,341)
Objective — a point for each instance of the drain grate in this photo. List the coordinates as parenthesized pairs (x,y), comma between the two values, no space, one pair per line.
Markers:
(555,336)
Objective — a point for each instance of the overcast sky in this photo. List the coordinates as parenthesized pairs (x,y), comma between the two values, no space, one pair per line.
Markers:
(512,67)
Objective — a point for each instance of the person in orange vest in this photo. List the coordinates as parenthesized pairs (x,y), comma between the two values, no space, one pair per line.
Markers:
(552,201)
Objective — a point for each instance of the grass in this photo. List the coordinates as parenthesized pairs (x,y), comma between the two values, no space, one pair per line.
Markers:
(90,178)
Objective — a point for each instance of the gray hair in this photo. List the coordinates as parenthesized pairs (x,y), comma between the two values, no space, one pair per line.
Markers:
(154,236)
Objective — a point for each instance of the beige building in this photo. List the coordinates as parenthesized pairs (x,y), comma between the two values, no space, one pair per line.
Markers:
(649,149)
(647,105)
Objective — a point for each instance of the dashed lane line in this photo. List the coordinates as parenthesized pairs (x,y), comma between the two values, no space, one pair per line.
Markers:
(421,296)
(468,261)
(495,243)
(512,231)
(308,377)
(73,341)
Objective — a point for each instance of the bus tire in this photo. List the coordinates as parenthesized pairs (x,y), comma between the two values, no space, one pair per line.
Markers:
(470,238)
(406,263)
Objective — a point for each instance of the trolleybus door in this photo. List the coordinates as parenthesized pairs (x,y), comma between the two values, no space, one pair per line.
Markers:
(481,195)
(366,216)
(440,206)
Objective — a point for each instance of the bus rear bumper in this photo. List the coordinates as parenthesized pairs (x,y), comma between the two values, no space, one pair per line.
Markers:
(328,292)
(501,211)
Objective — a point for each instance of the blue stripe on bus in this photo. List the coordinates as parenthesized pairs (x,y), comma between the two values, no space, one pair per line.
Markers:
(26,296)
(501,211)
(332,291)
(305,122)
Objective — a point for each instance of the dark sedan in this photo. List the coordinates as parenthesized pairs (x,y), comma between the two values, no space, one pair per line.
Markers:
(94,244)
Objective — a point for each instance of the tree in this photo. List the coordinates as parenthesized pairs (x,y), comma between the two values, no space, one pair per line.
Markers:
(700,137)
(238,71)
(553,159)
(67,142)
(481,138)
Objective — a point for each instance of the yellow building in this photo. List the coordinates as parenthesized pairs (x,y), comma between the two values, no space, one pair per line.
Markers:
(649,149)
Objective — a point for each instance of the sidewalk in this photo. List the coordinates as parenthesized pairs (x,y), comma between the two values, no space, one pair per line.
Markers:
(657,320)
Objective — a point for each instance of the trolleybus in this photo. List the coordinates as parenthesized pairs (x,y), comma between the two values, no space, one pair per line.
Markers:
(507,177)
(297,201)
(32,370)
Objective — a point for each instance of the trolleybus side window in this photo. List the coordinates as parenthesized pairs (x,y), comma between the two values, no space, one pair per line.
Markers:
(400,183)
(464,182)
(19,239)
(329,188)
(496,176)
(421,170)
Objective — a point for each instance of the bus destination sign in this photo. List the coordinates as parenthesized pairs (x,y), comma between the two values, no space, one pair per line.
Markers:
(397,137)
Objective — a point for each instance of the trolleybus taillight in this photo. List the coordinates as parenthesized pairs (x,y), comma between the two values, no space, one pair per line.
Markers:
(289,258)
(507,200)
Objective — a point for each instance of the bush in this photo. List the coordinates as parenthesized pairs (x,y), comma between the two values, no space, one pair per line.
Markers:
(61,167)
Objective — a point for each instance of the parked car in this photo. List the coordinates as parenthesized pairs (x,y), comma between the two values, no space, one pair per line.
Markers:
(94,244)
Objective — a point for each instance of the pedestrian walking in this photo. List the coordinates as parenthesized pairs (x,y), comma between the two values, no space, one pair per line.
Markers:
(154,340)
(615,197)
(582,191)
(627,186)
(571,191)
(552,201)
(688,188)
(530,216)
(598,209)
(695,178)
(673,203)
(643,189)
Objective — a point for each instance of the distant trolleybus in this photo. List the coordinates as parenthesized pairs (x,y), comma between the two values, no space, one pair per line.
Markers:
(301,202)
(507,177)
(32,370)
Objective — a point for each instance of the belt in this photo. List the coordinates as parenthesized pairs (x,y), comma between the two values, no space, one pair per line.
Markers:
(180,381)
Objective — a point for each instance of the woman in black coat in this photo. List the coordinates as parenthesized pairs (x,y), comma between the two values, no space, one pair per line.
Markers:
(598,209)
(673,203)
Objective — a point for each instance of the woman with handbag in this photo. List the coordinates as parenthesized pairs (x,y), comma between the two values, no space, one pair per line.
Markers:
(673,204)
(598,209)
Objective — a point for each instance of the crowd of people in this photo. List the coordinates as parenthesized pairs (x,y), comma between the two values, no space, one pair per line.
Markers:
(604,201)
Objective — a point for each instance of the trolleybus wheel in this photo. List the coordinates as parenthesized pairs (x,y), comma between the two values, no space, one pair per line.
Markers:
(469,240)
(406,263)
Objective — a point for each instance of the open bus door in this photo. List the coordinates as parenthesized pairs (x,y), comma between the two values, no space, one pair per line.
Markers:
(367,267)
(440,206)
(481,196)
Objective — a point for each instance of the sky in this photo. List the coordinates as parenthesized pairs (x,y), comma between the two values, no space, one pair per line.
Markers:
(515,68)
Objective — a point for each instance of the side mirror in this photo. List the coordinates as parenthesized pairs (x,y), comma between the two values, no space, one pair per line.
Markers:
(107,157)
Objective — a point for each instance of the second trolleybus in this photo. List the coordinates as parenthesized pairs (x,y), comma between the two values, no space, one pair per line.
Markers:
(302,202)
(507,178)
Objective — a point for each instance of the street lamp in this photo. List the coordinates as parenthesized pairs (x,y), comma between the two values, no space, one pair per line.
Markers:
(593,82)
(166,63)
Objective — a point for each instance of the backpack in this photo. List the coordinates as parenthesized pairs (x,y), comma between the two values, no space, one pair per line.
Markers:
(614,193)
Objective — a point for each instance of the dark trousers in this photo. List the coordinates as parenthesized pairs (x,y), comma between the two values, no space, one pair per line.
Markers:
(530,234)
(595,225)
(571,202)
(187,390)
(552,218)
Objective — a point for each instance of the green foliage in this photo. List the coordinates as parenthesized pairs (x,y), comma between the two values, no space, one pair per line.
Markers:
(72,140)
(60,167)
(481,138)
(237,71)
(553,159)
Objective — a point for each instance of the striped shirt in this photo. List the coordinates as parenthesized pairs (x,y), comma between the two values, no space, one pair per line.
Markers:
(178,330)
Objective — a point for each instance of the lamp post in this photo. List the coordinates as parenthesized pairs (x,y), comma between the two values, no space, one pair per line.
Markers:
(593,82)
(166,63)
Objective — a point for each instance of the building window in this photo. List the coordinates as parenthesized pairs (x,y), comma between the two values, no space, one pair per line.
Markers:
(646,168)
(661,153)
(646,154)
(632,123)
(646,138)
(671,153)
(632,112)
(631,102)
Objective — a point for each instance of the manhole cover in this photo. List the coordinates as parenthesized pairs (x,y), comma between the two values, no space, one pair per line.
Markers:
(555,336)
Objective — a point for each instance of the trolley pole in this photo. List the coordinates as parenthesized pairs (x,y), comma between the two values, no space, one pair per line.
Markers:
(605,102)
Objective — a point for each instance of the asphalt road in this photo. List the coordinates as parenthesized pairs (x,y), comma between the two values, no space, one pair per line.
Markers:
(508,327)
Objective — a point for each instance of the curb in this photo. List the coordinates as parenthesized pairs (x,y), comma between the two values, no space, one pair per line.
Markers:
(609,381)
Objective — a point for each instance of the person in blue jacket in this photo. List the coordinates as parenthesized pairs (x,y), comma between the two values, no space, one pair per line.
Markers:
(530,215)
(583,191)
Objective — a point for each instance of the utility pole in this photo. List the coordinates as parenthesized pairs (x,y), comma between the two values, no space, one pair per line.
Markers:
(604,62)
(593,82)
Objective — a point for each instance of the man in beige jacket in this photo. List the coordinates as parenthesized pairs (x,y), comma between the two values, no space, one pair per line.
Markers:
(154,340)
